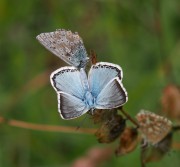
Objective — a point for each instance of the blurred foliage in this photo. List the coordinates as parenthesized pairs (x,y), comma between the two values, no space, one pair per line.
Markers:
(143,37)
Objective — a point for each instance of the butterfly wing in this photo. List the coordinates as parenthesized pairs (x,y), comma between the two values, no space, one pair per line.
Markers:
(100,74)
(66,45)
(70,107)
(113,95)
(153,127)
(68,79)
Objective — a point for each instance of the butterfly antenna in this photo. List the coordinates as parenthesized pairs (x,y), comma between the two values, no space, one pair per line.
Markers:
(82,122)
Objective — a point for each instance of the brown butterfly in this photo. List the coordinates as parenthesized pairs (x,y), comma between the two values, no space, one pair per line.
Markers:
(153,127)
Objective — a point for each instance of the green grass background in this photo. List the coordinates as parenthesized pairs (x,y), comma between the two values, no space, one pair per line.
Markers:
(142,36)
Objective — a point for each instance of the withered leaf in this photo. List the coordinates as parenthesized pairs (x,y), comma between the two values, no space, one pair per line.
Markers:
(128,141)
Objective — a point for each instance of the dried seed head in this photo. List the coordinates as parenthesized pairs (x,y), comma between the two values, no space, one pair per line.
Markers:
(153,127)
(111,129)
(170,101)
(128,141)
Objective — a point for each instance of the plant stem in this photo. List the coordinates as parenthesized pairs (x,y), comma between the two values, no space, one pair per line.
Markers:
(129,117)
(43,127)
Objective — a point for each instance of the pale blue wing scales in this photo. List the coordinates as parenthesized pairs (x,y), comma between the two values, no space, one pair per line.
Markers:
(100,74)
(68,79)
(112,96)
(66,45)
(70,107)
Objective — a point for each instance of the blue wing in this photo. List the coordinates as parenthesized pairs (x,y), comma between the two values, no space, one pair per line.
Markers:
(66,45)
(113,95)
(68,80)
(100,74)
(70,107)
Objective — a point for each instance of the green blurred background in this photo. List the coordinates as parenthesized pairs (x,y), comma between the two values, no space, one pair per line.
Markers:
(143,37)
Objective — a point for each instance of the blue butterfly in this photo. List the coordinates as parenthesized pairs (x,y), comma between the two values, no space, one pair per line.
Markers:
(78,94)
(66,45)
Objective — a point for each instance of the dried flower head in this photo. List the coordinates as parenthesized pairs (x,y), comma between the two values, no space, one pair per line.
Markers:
(111,129)
(128,141)
(99,116)
(152,126)
(170,101)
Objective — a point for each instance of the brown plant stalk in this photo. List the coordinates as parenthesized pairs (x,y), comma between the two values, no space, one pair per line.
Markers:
(43,127)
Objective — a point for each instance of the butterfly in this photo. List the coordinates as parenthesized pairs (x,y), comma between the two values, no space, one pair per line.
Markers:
(66,45)
(153,127)
(78,94)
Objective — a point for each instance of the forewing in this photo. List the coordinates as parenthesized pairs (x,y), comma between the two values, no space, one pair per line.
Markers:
(66,45)
(113,95)
(100,74)
(70,107)
(67,79)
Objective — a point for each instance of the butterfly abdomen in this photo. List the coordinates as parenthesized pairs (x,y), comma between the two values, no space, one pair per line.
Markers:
(89,100)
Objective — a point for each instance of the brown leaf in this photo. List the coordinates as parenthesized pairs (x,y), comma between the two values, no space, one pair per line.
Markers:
(128,141)
(170,101)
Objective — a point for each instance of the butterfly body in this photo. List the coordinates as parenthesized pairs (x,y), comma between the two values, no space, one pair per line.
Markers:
(89,100)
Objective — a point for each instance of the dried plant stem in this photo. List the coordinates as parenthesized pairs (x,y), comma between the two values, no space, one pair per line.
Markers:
(93,57)
(42,127)
(143,164)
(129,117)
